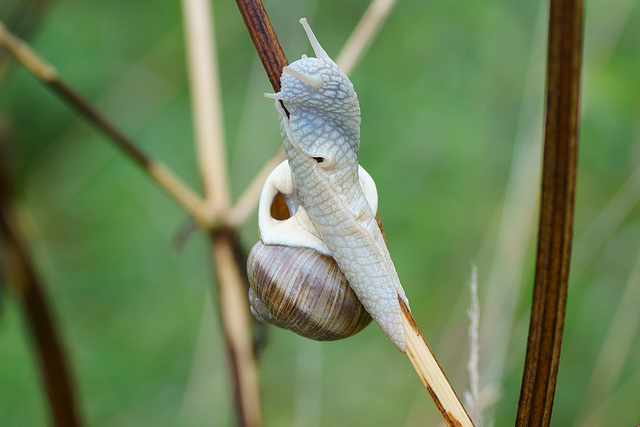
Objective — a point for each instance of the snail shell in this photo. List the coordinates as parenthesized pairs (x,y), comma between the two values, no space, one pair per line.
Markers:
(295,284)
(302,290)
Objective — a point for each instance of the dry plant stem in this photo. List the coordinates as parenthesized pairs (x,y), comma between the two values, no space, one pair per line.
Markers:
(273,60)
(363,34)
(264,39)
(20,273)
(431,374)
(206,98)
(248,201)
(162,175)
(556,213)
(473,396)
(615,350)
(234,312)
(230,278)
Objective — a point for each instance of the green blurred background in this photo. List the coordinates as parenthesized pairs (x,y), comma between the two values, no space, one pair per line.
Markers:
(452,96)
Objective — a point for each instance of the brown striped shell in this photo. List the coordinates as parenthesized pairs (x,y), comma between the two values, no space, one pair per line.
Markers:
(303,290)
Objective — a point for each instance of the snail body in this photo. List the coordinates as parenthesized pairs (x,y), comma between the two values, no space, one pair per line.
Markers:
(295,284)
(330,209)
(321,137)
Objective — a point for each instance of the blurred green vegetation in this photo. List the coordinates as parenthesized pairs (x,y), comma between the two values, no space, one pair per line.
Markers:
(451,96)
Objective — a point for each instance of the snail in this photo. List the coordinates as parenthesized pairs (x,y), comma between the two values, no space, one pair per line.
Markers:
(295,284)
(333,204)
(321,199)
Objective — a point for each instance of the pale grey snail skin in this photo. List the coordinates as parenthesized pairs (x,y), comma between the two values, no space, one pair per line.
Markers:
(321,140)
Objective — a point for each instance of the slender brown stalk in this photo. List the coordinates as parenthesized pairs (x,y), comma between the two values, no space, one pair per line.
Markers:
(20,274)
(556,213)
(264,39)
(160,173)
(234,312)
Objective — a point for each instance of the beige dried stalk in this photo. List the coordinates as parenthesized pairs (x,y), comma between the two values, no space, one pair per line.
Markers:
(230,276)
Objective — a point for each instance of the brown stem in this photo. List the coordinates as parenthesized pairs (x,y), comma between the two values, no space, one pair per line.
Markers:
(162,175)
(82,105)
(20,273)
(232,288)
(556,213)
(264,39)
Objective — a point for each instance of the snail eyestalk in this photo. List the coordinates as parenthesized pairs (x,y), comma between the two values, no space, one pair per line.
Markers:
(317,48)
(313,81)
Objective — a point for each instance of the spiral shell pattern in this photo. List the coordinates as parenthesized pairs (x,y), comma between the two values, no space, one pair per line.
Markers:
(302,290)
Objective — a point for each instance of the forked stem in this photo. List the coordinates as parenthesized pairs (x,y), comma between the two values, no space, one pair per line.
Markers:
(231,281)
